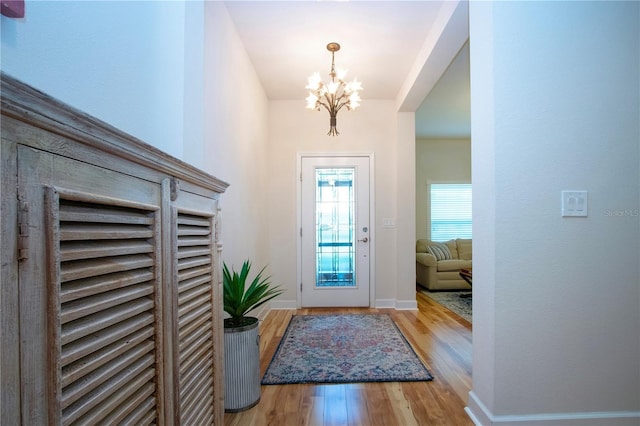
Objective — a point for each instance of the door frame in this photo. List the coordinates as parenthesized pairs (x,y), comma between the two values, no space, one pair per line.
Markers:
(372,228)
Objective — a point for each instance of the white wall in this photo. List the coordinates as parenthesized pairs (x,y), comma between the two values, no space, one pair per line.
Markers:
(438,160)
(372,128)
(556,300)
(406,212)
(194,85)
(122,62)
(236,150)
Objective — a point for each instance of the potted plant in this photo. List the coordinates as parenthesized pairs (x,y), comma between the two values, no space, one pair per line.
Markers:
(241,338)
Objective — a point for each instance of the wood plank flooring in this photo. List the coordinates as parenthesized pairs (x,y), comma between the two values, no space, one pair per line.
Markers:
(441,339)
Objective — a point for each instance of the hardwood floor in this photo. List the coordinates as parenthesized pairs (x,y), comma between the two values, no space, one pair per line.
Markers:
(441,339)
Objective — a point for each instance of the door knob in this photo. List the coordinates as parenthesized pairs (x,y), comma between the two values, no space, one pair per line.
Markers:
(364,240)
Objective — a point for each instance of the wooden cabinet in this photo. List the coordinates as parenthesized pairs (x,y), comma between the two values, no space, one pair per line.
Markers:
(111,309)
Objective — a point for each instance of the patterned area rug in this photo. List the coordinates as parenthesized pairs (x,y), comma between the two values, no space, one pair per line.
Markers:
(344,349)
(452,301)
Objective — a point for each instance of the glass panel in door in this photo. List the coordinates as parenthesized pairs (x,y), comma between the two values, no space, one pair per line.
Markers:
(335,210)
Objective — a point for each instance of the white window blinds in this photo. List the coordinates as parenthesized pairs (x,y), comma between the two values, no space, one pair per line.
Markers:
(450,211)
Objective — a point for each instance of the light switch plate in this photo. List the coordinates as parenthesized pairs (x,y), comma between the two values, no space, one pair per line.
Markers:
(574,203)
(388,223)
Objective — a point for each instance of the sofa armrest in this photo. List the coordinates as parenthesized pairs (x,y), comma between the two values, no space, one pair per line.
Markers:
(427,259)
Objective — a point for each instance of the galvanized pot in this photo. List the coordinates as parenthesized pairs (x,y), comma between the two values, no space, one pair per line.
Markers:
(241,367)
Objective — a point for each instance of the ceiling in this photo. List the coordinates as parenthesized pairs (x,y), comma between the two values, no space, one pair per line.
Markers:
(380,41)
(446,111)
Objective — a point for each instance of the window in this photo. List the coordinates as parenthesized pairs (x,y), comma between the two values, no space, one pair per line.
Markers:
(450,211)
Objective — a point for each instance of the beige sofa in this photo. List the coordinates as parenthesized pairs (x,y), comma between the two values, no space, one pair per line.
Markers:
(438,267)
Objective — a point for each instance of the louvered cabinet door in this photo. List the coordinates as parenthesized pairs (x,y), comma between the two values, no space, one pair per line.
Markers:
(90,294)
(197,310)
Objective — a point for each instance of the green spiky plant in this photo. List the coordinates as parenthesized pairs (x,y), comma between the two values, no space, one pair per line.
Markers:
(238,299)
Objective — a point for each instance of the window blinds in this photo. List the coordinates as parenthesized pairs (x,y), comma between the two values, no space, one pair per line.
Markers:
(450,211)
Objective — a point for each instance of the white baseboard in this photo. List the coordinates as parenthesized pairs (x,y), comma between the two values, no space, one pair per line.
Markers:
(261,312)
(385,303)
(400,305)
(407,305)
(283,304)
(481,416)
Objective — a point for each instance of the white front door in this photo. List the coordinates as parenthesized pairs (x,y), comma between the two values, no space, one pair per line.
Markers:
(335,234)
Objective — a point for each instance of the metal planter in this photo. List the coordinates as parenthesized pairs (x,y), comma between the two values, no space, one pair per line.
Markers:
(241,367)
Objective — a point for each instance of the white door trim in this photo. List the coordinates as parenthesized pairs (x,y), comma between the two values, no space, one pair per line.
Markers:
(372,227)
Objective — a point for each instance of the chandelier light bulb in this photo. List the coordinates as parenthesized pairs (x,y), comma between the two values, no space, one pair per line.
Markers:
(335,94)
(314,81)
(311,101)
(332,87)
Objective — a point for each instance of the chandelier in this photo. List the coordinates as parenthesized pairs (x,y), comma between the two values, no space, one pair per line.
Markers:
(335,94)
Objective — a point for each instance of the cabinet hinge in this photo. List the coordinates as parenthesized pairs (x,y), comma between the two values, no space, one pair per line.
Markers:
(300,287)
(23,231)
(300,232)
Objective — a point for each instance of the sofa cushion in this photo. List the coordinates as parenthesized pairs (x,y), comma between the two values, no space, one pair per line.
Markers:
(421,246)
(453,248)
(464,248)
(440,251)
(453,265)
